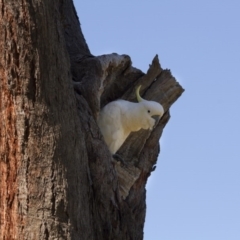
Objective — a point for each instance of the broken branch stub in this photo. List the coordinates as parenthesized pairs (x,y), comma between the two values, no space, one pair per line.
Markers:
(119,80)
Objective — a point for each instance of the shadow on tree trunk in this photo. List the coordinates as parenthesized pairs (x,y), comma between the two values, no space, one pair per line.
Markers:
(58,179)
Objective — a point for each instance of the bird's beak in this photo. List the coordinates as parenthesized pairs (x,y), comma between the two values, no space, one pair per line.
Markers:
(157,119)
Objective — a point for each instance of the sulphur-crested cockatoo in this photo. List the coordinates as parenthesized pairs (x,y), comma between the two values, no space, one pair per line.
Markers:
(119,118)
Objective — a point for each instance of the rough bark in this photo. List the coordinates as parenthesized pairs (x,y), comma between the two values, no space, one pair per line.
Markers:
(57,178)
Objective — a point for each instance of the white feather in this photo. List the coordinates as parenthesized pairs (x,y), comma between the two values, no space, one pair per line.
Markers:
(119,118)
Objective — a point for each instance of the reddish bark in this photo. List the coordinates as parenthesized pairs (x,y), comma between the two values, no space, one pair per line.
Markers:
(57,178)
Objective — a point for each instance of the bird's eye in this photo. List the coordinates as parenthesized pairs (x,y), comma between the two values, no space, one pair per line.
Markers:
(148,111)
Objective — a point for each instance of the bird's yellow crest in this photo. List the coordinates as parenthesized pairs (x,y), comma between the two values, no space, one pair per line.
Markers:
(138,94)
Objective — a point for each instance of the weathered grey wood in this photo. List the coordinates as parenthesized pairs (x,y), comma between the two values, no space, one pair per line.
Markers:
(57,178)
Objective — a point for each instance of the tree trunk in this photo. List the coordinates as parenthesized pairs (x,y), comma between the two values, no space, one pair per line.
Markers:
(57,178)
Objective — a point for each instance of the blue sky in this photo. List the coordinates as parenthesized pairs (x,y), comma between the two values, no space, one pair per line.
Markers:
(194,194)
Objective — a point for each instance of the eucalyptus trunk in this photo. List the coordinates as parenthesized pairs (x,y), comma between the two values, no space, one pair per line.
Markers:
(58,179)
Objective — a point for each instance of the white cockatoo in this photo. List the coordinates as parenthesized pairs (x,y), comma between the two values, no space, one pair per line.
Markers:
(119,118)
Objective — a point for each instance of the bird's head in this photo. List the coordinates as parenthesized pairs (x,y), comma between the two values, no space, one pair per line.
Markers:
(152,108)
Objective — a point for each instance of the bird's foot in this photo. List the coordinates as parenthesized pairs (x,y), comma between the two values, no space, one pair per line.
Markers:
(119,159)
